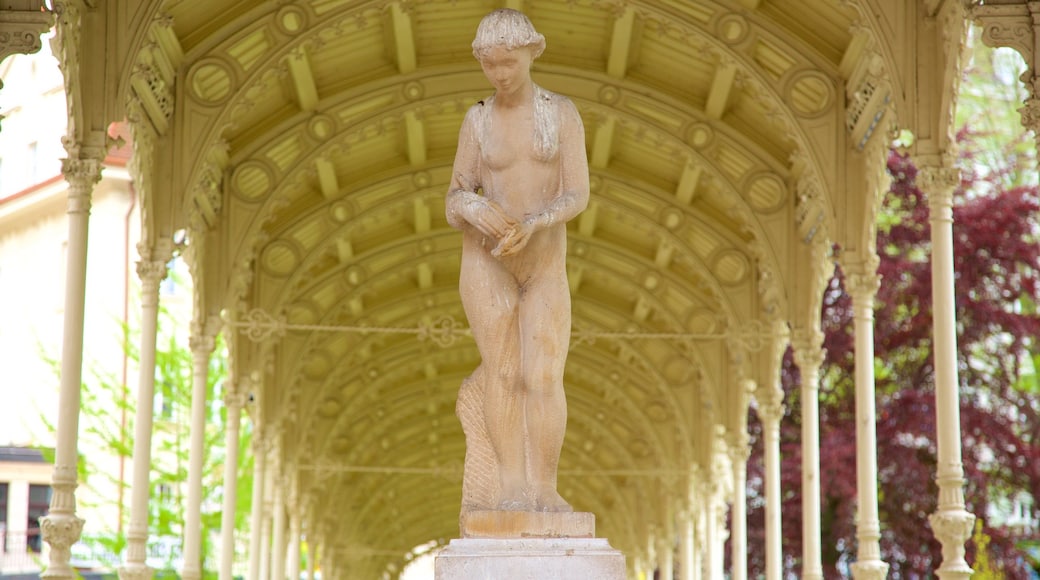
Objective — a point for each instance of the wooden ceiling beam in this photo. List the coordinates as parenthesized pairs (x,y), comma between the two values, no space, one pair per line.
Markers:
(602,144)
(688,182)
(621,43)
(344,250)
(415,131)
(327,180)
(587,220)
(721,89)
(404,38)
(303,80)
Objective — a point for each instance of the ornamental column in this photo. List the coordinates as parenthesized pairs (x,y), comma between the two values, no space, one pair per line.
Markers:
(770,411)
(951,522)
(293,560)
(279,548)
(256,517)
(808,355)
(61,527)
(234,400)
(151,269)
(666,556)
(202,342)
(739,452)
(862,283)
(687,548)
(712,533)
(265,526)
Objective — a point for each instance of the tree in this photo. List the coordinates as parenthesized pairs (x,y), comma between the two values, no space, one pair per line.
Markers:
(106,402)
(997,265)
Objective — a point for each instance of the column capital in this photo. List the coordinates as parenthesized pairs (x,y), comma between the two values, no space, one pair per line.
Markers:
(938,184)
(808,348)
(861,277)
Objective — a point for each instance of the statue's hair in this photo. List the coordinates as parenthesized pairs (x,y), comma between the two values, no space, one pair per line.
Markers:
(509,29)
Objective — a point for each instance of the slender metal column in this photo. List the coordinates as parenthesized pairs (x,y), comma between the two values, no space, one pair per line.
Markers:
(256,518)
(739,452)
(770,411)
(61,527)
(151,269)
(808,355)
(293,561)
(202,343)
(233,402)
(265,527)
(686,545)
(666,558)
(279,548)
(951,522)
(711,529)
(862,282)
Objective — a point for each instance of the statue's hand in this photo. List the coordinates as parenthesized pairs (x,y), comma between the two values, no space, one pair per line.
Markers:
(488,217)
(515,240)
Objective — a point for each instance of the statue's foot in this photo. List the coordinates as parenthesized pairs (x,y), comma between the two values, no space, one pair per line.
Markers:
(514,498)
(548,500)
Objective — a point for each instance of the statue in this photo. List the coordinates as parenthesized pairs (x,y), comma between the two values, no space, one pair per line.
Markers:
(520,174)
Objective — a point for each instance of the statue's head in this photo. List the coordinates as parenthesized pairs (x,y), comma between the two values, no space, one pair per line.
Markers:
(507,28)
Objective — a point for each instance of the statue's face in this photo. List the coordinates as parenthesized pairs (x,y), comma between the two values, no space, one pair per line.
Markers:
(508,70)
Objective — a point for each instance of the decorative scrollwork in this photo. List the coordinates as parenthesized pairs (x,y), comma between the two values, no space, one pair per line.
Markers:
(443,331)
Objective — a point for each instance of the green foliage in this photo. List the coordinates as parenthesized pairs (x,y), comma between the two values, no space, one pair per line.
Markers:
(107,413)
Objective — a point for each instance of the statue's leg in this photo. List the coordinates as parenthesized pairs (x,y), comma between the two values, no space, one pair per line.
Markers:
(490,297)
(545,323)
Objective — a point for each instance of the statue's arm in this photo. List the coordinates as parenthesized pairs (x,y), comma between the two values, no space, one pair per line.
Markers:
(465,175)
(574,166)
(463,207)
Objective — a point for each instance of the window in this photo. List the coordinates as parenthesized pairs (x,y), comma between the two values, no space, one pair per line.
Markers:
(39,503)
(32,163)
(3,516)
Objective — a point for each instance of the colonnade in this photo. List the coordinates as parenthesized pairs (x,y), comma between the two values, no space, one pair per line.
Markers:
(699,531)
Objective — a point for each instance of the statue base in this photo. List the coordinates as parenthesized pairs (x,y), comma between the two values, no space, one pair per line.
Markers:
(515,524)
(542,558)
(504,545)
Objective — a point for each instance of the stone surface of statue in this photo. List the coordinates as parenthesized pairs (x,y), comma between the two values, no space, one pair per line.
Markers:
(520,174)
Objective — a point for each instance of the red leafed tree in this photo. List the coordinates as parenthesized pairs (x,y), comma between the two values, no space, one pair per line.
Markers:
(997,285)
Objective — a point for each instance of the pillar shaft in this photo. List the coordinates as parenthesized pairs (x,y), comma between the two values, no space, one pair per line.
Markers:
(688,564)
(151,269)
(293,559)
(233,403)
(202,345)
(862,282)
(61,527)
(256,518)
(771,411)
(278,550)
(738,528)
(951,523)
(808,355)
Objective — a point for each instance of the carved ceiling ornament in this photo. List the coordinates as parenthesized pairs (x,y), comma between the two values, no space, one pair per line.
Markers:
(21,31)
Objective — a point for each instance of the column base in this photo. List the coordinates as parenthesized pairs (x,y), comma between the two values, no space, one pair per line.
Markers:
(870,570)
(135,572)
(543,558)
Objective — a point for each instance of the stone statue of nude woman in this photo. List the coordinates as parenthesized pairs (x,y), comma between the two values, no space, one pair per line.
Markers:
(520,174)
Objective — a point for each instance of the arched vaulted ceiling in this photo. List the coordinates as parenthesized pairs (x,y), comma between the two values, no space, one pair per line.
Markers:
(307,147)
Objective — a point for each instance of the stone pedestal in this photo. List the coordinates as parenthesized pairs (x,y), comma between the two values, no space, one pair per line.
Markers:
(503,545)
(530,558)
